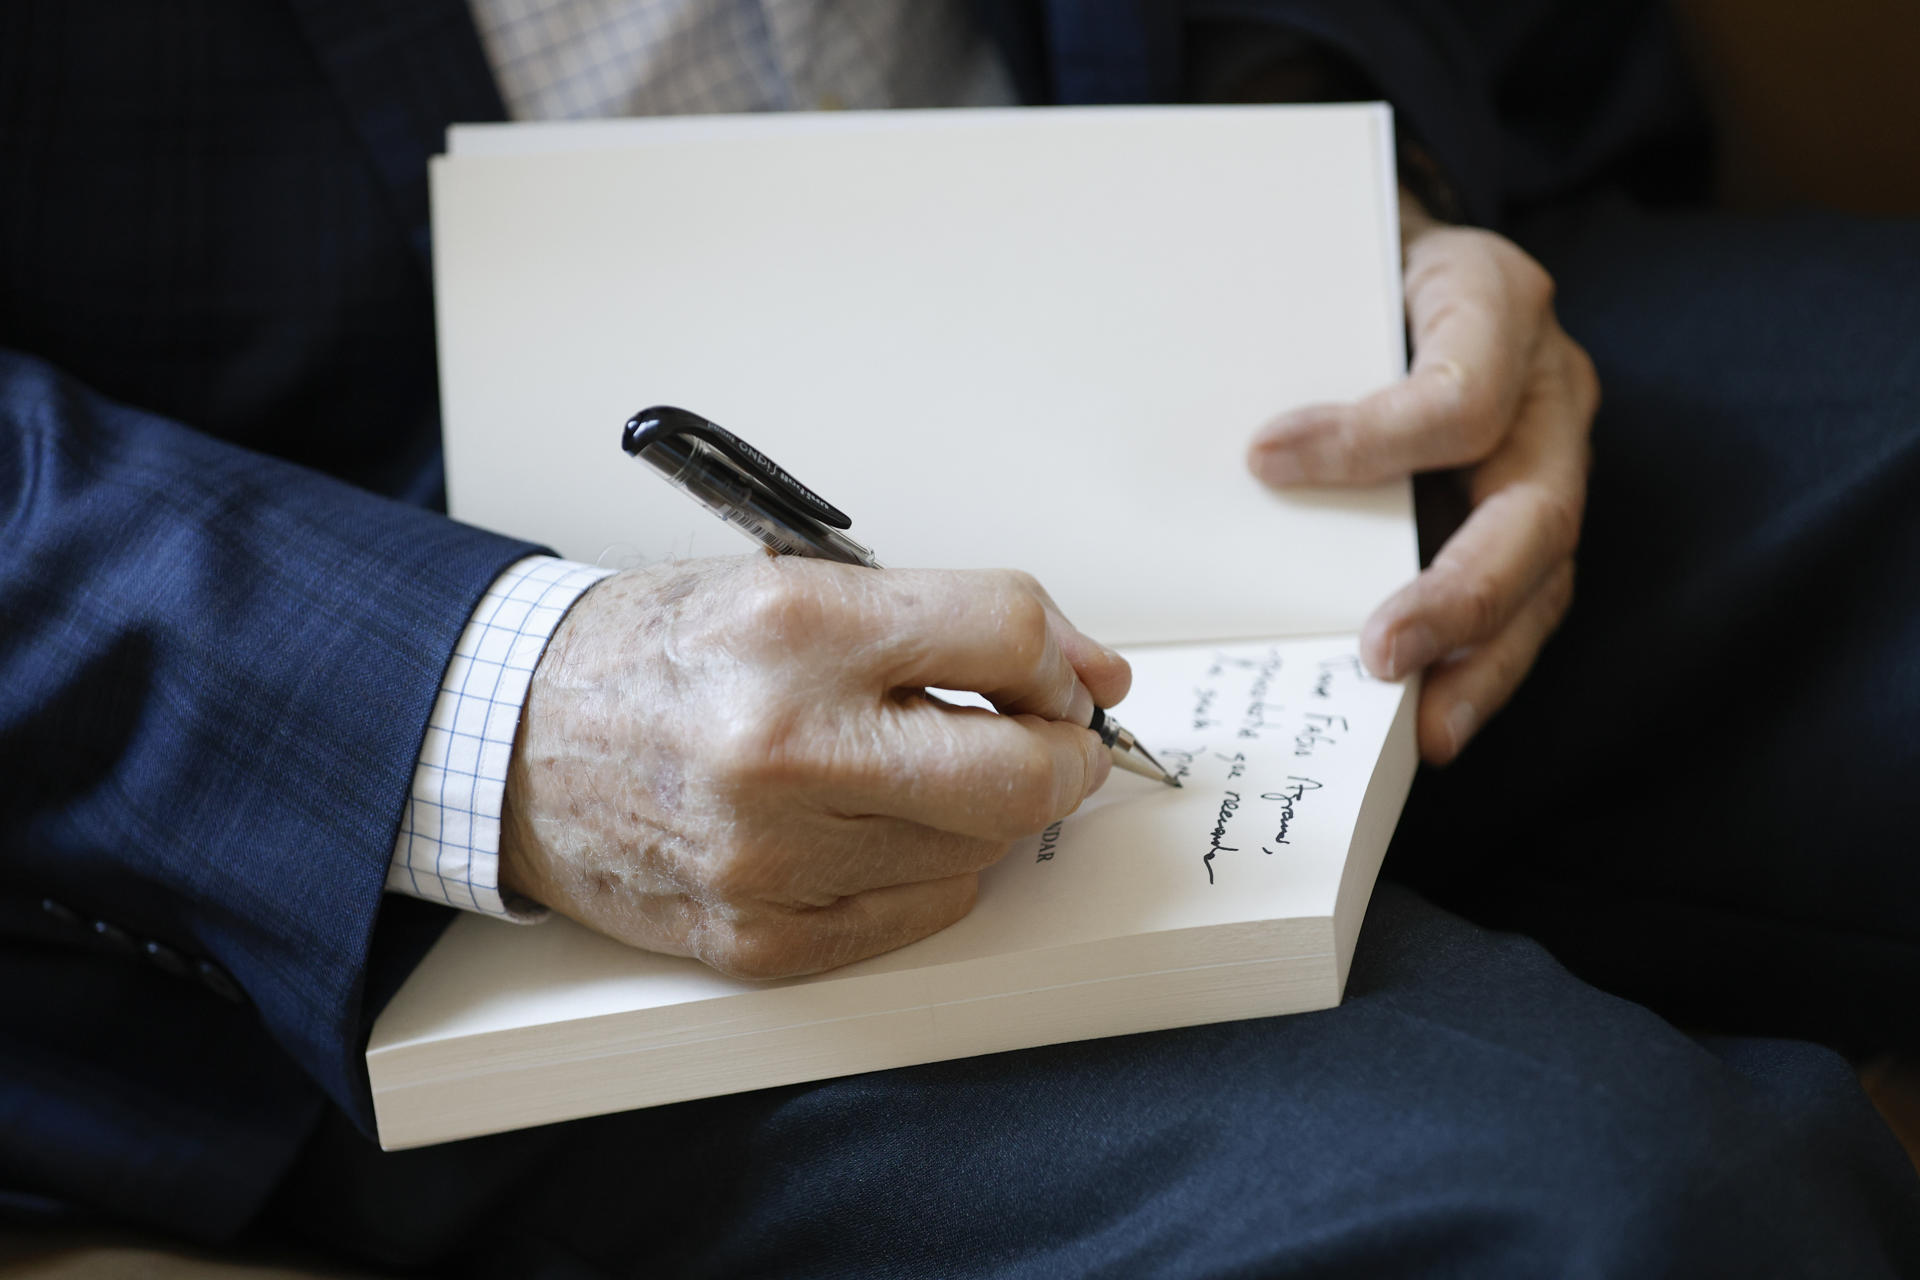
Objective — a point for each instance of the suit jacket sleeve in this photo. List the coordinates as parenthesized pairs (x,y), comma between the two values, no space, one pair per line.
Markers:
(216,662)
(215,674)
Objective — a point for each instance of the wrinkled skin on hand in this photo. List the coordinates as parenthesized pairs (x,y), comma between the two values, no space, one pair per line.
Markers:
(735,759)
(1500,392)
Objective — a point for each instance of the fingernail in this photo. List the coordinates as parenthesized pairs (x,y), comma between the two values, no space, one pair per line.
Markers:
(1414,646)
(1277,465)
(1080,705)
(1461,722)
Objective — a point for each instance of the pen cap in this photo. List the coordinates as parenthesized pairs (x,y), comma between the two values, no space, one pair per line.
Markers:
(663,420)
(740,485)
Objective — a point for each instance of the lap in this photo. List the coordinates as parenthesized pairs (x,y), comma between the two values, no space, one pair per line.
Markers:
(1470,1109)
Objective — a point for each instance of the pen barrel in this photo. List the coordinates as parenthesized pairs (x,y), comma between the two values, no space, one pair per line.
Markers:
(1134,764)
(1110,731)
(723,491)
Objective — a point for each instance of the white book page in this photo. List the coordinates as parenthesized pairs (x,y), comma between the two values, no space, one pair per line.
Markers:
(1276,743)
(1030,339)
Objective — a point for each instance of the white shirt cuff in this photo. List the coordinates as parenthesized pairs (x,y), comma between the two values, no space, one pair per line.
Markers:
(448,848)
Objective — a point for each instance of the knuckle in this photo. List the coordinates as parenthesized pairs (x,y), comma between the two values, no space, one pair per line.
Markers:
(984,853)
(1532,284)
(738,880)
(759,951)
(1477,598)
(1465,391)
(1470,407)
(1480,600)
(1020,581)
(777,606)
(759,751)
(1030,797)
(739,867)
(1024,628)
(970,855)
(1557,514)
(966,895)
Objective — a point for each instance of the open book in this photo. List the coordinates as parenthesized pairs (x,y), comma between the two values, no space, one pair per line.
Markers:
(1037,339)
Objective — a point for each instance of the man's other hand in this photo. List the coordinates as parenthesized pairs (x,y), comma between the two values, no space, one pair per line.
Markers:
(1500,391)
(736,760)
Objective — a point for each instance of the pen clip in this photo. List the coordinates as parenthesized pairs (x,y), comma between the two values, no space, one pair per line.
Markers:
(652,424)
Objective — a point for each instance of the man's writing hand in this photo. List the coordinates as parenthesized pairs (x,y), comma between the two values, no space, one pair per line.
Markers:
(734,759)
(1500,391)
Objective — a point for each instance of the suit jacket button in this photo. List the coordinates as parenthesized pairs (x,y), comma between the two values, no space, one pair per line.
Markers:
(113,934)
(215,979)
(60,911)
(166,958)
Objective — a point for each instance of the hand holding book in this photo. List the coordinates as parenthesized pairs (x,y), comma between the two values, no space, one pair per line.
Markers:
(1499,391)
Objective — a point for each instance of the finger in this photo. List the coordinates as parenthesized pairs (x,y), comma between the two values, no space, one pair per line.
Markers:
(1529,498)
(1475,305)
(969,771)
(852,853)
(992,632)
(1107,675)
(1462,693)
(781,943)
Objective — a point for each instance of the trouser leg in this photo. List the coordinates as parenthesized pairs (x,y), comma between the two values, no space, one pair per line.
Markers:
(1471,1110)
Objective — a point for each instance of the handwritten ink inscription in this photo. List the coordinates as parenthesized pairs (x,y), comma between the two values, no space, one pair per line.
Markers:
(1320,726)
(1228,806)
(1248,714)
(1346,664)
(1179,763)
(1288,797)
(1256,718)
(1261,673)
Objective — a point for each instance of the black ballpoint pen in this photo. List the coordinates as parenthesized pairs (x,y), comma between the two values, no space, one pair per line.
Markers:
(750,491)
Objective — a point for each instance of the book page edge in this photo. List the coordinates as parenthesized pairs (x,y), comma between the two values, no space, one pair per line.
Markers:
(1380,809)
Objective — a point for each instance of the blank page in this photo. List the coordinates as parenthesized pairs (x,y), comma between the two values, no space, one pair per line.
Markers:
(1038,339)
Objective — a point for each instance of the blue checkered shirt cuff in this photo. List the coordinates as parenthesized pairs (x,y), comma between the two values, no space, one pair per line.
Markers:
(448,849)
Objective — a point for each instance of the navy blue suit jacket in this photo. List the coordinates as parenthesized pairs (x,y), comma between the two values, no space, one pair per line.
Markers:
(227,599)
